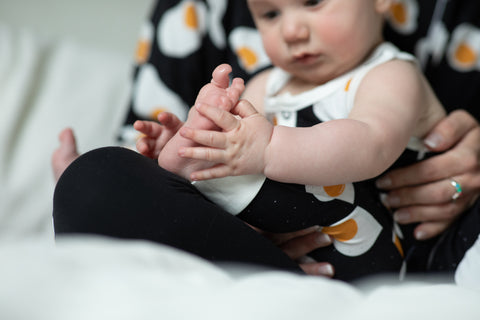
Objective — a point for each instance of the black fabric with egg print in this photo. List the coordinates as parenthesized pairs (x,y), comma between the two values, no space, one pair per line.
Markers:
(284,207)
(445,37)
(179,47)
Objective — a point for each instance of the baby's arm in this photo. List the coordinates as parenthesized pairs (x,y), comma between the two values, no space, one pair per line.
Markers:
(385,116)
(393,103)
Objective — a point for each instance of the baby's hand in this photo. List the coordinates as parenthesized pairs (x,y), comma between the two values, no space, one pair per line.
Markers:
(156,135)
(219,93)
(238,150)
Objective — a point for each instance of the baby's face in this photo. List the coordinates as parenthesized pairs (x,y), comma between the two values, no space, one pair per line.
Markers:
(319,40)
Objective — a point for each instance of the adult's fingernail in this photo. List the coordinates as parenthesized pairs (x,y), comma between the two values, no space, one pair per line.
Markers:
(326,270)
(383,182)
(306,260)
(389,201)
(383,199)
(323,239)
(420,235)
(402,216)
(433,140)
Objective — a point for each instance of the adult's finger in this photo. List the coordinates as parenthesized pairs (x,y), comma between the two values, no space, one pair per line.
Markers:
(421,213)
(435,193)
(323,269)
(450,130)
(430,229)
(300,246)
(462,159)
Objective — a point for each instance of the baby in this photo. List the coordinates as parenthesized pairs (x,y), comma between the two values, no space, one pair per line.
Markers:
(301,148)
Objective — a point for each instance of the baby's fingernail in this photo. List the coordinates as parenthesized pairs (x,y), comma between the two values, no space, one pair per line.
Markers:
(383,182)
(433,140)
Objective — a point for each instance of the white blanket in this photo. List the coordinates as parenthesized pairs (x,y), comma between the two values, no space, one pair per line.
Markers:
(47,85)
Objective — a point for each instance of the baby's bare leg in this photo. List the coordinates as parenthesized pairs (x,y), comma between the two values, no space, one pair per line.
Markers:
(65,153)
(217,93)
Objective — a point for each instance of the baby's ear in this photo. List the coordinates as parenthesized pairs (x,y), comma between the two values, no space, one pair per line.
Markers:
(382,6)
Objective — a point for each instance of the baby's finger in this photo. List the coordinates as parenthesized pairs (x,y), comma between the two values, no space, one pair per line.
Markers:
(148,128)
(201,153)
(244,109)
(145,147)
(218,171)
(207,138)
(169,120)
(221,118)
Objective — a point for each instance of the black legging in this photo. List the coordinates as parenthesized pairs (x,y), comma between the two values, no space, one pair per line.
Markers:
(117,192)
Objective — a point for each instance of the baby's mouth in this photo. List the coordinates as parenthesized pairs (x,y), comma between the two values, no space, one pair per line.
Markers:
(306,58)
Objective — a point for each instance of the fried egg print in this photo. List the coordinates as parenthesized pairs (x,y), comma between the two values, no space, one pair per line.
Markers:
(152,96)
(344,192)
(144,43)
(355,234)
(463,52)
(181,29)
(403,15)
(247,44)
(216,32)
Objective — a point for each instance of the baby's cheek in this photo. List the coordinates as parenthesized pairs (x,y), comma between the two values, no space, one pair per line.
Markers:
(272,48)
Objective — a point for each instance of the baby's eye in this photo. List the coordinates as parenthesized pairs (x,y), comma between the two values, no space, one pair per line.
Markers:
(270,14)
(312,3)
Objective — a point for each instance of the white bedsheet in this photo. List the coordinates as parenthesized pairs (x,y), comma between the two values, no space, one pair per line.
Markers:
(46,85)
(95,278)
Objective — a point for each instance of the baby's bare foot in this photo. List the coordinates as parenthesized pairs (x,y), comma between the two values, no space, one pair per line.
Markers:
(218,93)
(64,155)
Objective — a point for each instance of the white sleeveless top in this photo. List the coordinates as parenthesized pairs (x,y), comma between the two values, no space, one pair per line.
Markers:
(332,100)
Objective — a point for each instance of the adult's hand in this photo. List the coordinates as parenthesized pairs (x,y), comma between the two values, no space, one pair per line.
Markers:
(298,244)
(423,191)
